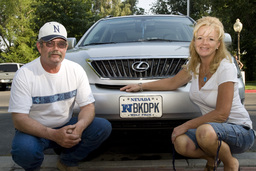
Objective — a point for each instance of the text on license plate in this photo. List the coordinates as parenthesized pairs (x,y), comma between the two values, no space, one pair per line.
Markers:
(140,106)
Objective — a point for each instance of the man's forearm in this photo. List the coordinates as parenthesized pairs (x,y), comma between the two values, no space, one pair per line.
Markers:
(86,115)
(30,126)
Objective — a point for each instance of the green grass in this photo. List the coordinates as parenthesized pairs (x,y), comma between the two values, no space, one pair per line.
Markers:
(250,85)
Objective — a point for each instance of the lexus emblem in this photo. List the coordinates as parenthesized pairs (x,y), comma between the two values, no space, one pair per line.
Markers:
(140,66)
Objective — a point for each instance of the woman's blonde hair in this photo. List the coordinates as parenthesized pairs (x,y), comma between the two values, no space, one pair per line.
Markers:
(221,52)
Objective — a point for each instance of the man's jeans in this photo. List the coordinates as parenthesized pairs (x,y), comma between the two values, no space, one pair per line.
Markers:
(28,151)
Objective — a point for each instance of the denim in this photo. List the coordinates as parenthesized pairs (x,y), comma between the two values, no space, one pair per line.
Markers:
(28,151)
(238,138)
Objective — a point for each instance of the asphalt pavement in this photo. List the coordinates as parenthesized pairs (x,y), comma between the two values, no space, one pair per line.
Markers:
(247,160)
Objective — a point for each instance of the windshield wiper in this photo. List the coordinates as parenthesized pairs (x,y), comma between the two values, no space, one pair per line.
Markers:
(140,40)
(99,43)
(160,40)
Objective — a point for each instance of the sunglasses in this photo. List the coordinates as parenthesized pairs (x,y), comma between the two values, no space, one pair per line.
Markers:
(60,44)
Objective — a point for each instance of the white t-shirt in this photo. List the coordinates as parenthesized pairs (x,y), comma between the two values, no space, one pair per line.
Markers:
(49,98)
(206,97)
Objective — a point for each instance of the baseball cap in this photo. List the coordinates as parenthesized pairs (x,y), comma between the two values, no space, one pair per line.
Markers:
(52,30)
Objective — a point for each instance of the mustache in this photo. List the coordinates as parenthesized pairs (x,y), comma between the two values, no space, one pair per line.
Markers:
(54,53)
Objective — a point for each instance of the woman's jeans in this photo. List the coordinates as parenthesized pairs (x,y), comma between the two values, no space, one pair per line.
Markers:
(28,151)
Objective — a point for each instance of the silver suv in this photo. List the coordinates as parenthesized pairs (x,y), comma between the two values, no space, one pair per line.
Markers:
(117,51)
(7,72)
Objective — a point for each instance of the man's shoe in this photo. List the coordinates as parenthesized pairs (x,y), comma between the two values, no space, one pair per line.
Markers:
(63,167)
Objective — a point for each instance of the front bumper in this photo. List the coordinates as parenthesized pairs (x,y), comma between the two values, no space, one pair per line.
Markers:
(176,104)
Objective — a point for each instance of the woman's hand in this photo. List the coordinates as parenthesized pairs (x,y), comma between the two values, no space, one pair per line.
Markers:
(177,131)
(165,84)
(132,88)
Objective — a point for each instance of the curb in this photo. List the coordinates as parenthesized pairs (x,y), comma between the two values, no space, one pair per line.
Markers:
(246,160)
(250,91)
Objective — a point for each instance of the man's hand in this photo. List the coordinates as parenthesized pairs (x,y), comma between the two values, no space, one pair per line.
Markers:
(66,136)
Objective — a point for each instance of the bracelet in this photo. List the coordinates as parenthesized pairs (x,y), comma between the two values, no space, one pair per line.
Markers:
(140,85)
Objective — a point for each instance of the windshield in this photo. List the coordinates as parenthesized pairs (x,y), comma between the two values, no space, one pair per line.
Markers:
(133,29)
(8,68)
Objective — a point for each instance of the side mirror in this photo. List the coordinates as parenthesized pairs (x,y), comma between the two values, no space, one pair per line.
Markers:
(228,40)
(71,42)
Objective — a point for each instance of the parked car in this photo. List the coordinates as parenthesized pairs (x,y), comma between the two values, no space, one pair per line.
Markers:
(117,51)
(7,72)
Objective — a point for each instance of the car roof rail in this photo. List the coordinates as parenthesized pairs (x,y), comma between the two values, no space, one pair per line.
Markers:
(109,16)
(180,13)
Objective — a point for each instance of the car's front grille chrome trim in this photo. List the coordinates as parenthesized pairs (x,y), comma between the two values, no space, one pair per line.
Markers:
(119,69)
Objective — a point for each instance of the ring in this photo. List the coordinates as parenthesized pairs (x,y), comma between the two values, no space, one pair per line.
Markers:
(173,136)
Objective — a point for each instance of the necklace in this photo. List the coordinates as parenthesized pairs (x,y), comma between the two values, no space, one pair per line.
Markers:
(205,78)
(205,75)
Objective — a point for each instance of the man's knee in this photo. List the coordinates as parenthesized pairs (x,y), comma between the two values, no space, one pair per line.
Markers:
(28,160)
(105,125)
(26,151)
(99,129)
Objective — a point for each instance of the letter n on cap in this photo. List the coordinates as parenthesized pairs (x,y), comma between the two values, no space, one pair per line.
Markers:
(56,29)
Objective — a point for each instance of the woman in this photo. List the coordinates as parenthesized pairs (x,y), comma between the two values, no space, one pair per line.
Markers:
(225,126)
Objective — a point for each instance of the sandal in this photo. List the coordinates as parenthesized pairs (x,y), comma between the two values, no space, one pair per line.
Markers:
(212,168)
(209,168)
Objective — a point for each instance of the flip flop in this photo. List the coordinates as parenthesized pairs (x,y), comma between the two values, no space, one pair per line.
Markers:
(212,168)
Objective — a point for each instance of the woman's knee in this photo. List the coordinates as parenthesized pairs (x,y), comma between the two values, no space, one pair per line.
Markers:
(183,144)
(206,135)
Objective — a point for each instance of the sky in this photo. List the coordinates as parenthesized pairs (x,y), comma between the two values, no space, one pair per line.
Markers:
(146,4)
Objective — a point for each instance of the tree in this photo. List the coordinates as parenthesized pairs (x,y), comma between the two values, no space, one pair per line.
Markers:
(18,38)
(21,20)
(198,8)
(133,7)
(161,7)
(113,7)
(76,15)
(227,11)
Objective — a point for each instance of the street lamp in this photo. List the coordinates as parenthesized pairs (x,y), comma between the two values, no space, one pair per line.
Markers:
(238,26)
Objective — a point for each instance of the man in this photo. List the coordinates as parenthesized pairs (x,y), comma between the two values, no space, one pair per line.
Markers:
(43,95)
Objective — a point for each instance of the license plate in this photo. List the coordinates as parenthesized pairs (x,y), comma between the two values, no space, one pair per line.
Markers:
(140,106)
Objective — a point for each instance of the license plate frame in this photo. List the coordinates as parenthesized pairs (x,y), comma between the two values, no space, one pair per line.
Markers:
(150,106)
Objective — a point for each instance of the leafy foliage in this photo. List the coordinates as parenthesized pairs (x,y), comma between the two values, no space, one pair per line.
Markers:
(75,15)
(20,21)
(18,37)
(162,7)
(227,11)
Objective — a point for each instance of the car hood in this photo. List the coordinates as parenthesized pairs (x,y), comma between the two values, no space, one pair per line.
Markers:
(137,49)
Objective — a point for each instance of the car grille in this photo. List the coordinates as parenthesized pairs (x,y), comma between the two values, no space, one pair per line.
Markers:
(127,68)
